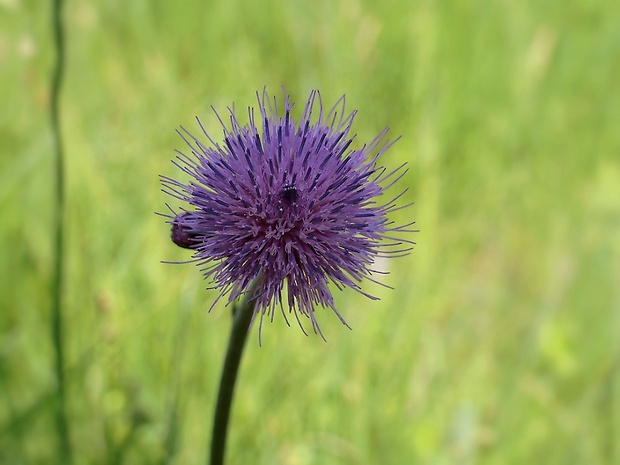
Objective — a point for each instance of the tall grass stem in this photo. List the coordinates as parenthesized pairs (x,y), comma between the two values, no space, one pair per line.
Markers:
(57,326)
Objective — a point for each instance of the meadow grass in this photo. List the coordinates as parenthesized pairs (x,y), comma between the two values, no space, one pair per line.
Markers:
(499,343)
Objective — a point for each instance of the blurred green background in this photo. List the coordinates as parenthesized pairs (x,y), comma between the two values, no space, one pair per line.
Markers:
(499,344)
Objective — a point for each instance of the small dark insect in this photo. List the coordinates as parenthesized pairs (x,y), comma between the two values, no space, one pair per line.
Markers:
(289,193)
(182,232)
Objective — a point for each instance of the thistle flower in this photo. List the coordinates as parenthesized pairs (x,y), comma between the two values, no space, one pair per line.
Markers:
(293,206)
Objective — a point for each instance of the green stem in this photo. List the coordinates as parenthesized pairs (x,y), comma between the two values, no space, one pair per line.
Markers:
(242,318)
(62,424)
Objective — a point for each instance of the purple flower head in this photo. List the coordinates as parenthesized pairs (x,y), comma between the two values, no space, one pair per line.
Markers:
(294,206)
